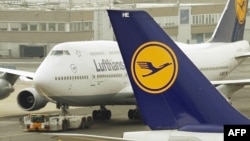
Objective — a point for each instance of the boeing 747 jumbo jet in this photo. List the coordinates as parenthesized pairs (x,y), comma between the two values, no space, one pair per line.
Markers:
(90,73)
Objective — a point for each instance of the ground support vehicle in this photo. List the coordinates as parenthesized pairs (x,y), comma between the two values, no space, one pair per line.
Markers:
(55,122)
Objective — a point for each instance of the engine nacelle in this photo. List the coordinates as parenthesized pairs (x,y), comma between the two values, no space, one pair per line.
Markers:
(5,88)
(29,100)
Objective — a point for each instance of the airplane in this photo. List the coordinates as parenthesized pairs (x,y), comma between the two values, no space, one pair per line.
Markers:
(177,102)
(90,73)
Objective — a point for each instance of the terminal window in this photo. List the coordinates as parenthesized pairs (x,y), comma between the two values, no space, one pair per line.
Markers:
(206,18)
(184,16)
(33,27)
(24,27)
(3,26)
(61,27)
(52,27)
(14,26)
(42,26)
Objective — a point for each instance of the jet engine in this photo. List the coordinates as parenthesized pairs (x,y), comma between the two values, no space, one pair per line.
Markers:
(5,88)
(29,100)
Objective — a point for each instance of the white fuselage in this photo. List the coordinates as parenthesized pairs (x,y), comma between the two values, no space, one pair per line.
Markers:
(93,73)
(215,60)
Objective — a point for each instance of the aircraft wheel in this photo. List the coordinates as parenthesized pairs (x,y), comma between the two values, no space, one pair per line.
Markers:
(107,114)
(101,114)
(134,114)
(131,114)
(83,123)
(64,125)
(95,114)
(88,122)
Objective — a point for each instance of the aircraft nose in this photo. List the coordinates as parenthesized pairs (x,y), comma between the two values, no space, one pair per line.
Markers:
(42,77)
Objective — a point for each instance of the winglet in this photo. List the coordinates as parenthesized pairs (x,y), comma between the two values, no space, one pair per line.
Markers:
(231,26)
(177,95)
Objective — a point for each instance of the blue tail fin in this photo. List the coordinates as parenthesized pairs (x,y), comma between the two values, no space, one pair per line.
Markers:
(232,23)
(170,91)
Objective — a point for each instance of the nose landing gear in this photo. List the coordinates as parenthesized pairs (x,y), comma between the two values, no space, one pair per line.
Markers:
(63,107)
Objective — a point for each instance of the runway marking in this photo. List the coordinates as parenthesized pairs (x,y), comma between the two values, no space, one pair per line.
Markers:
(13,135)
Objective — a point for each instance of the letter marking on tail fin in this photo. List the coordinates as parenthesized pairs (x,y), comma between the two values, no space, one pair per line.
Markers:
(146,74)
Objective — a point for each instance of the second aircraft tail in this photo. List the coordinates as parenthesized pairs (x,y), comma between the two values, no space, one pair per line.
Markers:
(232,23)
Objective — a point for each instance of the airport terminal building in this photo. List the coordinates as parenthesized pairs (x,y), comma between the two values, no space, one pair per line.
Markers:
(31,30)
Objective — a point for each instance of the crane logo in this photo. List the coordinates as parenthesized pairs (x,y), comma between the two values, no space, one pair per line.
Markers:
(154,67)
(241,10)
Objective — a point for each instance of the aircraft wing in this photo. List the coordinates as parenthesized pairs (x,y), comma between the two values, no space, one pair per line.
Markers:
(242,55)
(240,82)
(84,137)
(228,87)
(29,75)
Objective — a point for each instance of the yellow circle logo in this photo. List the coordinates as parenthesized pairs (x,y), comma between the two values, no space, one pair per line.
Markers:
(154,67)
(241,10)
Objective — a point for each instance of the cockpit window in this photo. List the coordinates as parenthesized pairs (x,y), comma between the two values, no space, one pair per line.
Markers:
(59,52)
(66,52)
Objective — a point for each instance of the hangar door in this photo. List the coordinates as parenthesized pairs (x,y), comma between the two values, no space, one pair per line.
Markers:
(32,51)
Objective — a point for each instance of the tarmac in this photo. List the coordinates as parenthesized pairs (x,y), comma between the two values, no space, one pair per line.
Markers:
(10,112)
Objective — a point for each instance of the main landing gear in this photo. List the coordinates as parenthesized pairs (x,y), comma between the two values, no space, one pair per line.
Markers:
(134,114)
(102,114)
(105,114)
